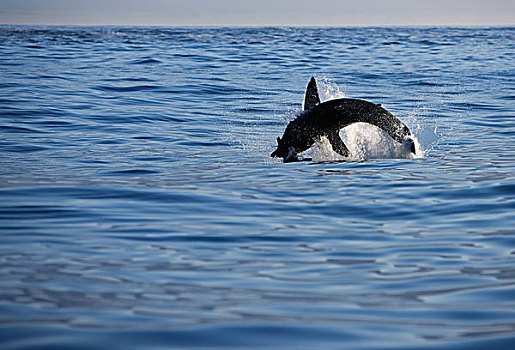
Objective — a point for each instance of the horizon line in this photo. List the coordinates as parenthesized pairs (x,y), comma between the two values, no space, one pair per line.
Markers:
(271,25)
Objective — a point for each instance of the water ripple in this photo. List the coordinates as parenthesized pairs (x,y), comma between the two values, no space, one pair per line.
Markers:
(140,206)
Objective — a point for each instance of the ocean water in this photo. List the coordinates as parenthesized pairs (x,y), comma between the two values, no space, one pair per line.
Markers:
(140,207)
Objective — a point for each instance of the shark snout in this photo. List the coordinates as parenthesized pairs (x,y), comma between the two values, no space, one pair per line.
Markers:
(288,155)
(280,152)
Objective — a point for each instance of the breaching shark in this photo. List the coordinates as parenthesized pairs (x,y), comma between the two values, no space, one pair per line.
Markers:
(326,119)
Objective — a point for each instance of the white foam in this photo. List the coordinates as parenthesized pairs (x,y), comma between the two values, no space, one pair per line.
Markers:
(329,90)
(366,141)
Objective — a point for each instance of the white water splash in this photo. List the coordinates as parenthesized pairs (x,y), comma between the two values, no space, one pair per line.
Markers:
(329,90)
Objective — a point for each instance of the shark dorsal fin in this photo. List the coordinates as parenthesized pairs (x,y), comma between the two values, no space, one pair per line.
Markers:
(311,99)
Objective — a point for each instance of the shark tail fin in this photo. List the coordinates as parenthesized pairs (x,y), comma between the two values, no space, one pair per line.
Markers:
(311,99)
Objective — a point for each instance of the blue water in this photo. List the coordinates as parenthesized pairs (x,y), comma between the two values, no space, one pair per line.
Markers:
(140,208)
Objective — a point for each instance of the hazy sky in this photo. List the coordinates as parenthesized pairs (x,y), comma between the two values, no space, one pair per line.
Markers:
(259,12)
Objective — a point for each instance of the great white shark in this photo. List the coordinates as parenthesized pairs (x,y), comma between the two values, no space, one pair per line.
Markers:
(326,119)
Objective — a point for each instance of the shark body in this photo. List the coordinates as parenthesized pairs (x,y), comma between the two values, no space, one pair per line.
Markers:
(326,119)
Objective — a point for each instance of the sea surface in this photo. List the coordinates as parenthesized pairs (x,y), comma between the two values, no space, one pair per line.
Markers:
(140,207)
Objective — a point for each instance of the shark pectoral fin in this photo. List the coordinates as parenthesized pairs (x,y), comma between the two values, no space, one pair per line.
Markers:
(311,99)
(337,144)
